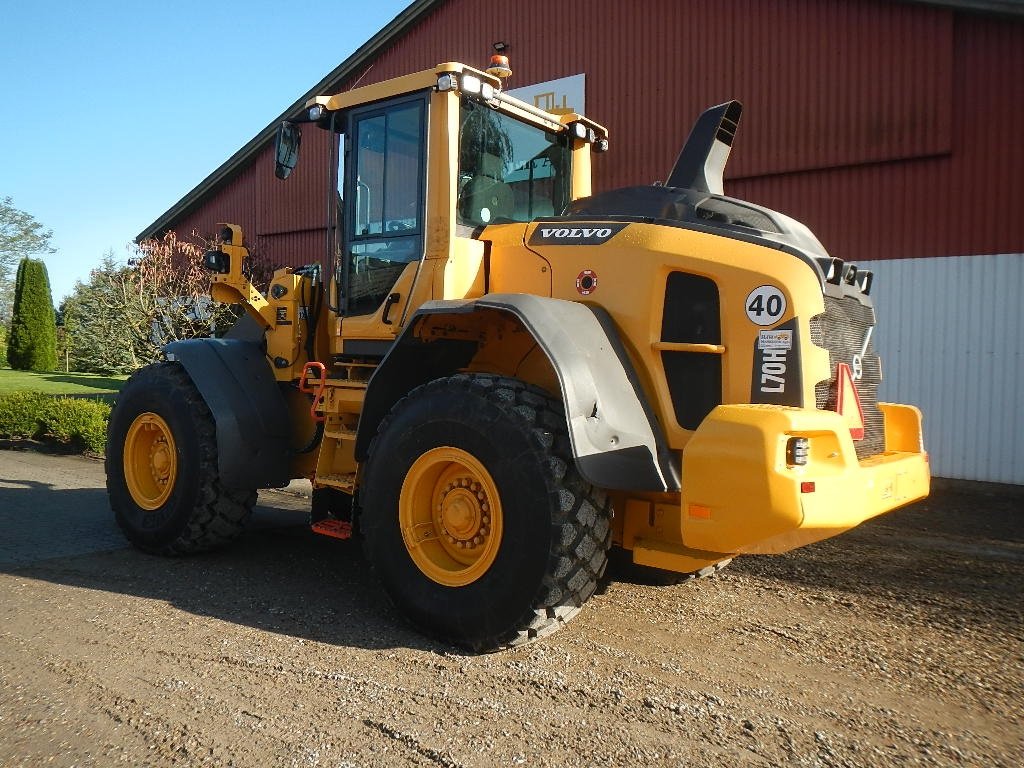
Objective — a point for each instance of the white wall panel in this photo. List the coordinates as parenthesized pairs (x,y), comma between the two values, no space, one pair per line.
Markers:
(950,332)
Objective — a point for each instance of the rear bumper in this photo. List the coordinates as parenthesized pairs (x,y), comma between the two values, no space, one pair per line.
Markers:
(741,496)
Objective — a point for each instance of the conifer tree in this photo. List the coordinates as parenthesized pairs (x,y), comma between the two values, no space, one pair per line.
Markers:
(95,318)
(33,341)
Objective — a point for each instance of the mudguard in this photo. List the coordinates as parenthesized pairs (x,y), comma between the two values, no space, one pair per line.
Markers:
(238,385)
(616,440)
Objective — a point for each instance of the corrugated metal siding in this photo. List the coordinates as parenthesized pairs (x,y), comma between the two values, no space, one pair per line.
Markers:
(891,129)
(949,333)
(282,220)
(300,202)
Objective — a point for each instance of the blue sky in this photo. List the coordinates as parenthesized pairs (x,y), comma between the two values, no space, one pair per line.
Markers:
(111,111)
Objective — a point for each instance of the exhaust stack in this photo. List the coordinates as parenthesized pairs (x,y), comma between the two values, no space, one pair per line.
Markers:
(702,159)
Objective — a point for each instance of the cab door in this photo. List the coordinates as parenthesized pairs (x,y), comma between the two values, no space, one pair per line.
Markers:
(382,243)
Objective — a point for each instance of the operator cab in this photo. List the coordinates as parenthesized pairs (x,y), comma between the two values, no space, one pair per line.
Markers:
(421,163)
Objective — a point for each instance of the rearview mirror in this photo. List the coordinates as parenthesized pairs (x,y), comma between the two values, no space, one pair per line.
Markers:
(286,149)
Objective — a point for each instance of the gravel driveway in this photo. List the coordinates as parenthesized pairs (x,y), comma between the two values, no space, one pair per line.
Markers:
(900,643)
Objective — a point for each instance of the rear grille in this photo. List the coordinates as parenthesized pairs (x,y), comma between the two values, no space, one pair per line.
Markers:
(691,315)
(841,330)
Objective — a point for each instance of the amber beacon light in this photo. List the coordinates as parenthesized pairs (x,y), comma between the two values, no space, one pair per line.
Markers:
(499,66)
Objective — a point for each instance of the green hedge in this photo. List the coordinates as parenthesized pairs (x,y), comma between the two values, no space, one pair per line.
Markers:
(68,419)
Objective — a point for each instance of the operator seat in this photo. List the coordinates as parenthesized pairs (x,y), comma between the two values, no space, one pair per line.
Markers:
(485,198)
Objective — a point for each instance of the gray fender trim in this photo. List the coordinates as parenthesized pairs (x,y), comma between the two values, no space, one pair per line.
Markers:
(238,385)
(616,440)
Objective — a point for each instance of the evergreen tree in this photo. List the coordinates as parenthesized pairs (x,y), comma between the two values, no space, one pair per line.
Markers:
(21,236)
(95,322)
(33,342)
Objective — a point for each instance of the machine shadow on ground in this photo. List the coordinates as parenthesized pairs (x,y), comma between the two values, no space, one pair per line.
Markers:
(282,578)
(279,577)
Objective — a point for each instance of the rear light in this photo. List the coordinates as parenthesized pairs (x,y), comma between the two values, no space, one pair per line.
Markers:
(807,486)
(864,279)
(797,450)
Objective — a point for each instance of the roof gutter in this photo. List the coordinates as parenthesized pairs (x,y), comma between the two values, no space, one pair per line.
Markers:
(336,77)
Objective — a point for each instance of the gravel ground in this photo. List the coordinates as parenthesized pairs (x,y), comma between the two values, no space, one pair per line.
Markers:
(899,643)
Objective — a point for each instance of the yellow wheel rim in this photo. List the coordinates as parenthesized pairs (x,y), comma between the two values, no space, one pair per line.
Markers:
(150,461)
(450,515)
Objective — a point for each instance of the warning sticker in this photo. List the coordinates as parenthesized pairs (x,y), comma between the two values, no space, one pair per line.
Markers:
(777,339)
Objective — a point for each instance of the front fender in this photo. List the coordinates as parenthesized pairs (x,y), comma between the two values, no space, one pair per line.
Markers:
(238,385)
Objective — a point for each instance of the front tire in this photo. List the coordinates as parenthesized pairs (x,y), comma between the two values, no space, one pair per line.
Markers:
(474,516)
(162,475)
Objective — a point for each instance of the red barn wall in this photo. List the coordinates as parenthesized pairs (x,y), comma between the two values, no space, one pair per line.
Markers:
(891,129)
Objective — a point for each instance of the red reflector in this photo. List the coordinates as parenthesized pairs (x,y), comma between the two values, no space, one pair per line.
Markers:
(807,487)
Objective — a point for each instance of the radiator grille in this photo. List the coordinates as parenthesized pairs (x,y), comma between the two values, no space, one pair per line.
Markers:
(841,330)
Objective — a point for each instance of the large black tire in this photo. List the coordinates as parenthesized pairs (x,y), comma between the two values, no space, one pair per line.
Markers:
(190,511)
(556,528)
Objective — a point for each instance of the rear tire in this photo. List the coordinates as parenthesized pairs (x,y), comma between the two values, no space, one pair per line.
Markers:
(162,475)
(474,516)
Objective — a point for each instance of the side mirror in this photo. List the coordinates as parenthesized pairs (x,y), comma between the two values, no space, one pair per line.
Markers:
(286,149)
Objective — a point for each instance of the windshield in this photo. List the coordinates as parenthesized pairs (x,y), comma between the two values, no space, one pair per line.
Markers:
(509,170)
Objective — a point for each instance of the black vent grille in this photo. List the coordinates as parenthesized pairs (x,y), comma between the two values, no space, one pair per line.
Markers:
(691,315)
(842,330)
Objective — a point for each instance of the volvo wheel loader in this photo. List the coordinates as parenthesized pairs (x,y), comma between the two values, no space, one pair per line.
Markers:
(495,377)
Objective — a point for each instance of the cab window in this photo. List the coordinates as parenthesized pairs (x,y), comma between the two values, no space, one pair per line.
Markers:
(384,230)
(509,170)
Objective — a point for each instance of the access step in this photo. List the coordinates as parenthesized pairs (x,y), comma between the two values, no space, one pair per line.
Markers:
(337,529)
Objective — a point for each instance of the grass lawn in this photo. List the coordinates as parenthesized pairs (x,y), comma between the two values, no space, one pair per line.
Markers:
(59,383)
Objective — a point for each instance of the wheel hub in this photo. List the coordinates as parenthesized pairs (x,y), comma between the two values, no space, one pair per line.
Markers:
(450,514)
(464,519)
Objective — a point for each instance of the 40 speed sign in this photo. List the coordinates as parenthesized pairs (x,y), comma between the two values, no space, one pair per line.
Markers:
(765,305)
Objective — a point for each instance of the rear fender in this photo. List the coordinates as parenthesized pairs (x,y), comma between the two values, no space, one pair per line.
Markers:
(238,385)
(616,441)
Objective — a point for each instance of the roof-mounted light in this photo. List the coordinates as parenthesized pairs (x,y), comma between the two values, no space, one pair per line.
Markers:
(499,66)
(851,274)
(583,131)
(864,279)
(316,112)
(469,84)
(835,271)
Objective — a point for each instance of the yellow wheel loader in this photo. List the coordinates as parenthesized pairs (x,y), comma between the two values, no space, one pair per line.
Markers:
(495,378)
